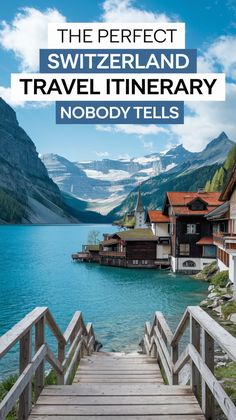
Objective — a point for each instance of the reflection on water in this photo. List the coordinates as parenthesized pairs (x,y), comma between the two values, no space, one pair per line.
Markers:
(36,270)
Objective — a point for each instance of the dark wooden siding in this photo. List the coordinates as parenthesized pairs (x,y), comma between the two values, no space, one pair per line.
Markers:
(141,250)
(204,229)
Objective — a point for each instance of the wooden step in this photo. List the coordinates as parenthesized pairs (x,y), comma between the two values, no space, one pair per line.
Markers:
(110,386)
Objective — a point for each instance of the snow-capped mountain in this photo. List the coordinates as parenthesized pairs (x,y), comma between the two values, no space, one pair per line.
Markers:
(105,183)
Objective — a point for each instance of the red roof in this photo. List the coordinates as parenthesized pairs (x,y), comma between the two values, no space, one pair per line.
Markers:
(183,198)
(156,216)
(187,211)
(206,240)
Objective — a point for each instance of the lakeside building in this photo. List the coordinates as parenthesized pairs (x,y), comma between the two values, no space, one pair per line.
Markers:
(223,220)
(130,248)
(160,225)
(191,233)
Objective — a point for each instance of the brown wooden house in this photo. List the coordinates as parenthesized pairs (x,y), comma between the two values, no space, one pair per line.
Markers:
(132,248)
(191,233)
(223,220)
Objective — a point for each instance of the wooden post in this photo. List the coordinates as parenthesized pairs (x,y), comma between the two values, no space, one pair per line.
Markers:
(61,357)
(25,400)
(195,374)
(39,341)
(208,406)
(174,358)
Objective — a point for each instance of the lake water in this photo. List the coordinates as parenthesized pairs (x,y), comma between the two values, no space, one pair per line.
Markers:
(36,270)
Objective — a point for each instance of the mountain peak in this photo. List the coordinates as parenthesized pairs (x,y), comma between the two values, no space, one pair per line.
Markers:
(218,141)
(223,136)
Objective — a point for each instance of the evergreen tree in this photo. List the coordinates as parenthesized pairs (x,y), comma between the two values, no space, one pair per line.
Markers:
(208,186)
(231,159)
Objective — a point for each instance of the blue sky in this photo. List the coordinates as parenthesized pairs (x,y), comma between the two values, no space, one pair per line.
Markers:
(210,27)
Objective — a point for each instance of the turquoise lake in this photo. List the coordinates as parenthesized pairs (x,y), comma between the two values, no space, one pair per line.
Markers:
(36,269)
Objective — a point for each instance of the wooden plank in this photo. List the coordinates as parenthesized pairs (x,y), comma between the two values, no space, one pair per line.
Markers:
(164,348)
(74,361)
(25,400)
(119,380)
(73,326)
(180,328)
(116,400)
(116,389)
(11,337)
(13,395)
(124,417)
(117,409)
(162,360)
(116,376)
(208,406)
(54,328)
(195,341)
(220,395)
(54,362)
(39,341)
(223,338)
(183,359)
(72,348)
(84,368)
(165,327)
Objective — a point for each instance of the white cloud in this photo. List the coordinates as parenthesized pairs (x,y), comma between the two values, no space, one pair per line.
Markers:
(26,34)
(125,11)
(138,129)
(106,128)
(102,154)
(5,93)
(221,54)
(209,119)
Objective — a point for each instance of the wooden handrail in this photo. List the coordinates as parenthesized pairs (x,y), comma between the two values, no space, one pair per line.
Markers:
(11,337)
(225,340)
(159,342)
(81,340)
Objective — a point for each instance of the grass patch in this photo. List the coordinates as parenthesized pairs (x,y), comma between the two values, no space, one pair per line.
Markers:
(220,279)
(5,387)
(228,309)
(227,374)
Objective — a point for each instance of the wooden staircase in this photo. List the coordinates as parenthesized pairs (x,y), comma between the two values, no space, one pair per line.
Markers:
(117,386)
(99,385)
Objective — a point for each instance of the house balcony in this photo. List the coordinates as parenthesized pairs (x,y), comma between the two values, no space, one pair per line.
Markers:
(113,254)
(226,240)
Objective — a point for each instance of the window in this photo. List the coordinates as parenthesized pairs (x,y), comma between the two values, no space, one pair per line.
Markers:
(209,251)
(135,262)
(189,263)
(191,229)
(184,249)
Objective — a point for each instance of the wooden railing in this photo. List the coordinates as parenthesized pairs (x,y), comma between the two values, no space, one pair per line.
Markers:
(112,253)
(204,334)
(81,341)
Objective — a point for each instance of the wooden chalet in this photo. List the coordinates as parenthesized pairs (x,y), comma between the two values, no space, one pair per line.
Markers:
(132,248)
(191,233)
(223,220)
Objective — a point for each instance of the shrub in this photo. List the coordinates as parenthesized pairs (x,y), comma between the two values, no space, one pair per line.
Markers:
(220,279)
(228,308)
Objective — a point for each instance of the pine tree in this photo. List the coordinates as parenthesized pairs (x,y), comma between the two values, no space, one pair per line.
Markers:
(208,186)
(231,159)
